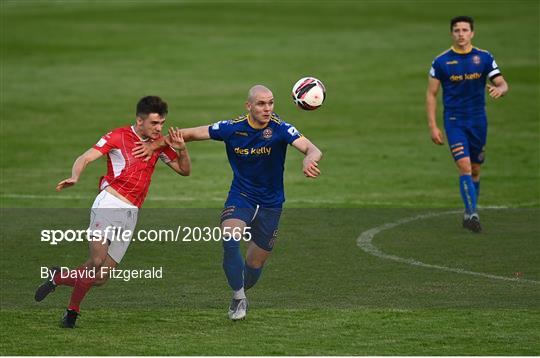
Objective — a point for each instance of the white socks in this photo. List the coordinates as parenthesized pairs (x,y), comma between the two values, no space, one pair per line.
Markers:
(238,295)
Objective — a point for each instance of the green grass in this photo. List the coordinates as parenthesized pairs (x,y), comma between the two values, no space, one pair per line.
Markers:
(278,332)
(71,71)
(319,293)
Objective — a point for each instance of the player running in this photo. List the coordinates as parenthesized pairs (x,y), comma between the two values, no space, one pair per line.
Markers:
(256,145)
(463,71)
(122,192)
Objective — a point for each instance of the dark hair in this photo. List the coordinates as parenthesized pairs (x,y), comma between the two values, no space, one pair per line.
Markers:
(151,104)
(466,19)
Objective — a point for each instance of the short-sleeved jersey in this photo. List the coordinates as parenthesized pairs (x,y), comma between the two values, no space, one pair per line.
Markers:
(257,157)
(126,174)
(463,78)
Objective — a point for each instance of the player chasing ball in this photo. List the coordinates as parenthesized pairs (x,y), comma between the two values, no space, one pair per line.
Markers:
(463,71)
(122,192)
(256,145)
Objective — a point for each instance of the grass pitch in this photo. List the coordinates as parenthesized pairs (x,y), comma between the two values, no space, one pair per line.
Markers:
(71,71)
(320,294)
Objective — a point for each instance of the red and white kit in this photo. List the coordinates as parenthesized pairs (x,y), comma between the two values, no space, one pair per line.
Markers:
(126,174)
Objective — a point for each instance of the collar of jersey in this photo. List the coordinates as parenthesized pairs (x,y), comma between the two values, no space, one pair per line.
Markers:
(138,136)
(461,52)
(253,125)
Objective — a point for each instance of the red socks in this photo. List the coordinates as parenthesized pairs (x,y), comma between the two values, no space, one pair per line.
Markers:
(71,277)
(81,281)
(82,286)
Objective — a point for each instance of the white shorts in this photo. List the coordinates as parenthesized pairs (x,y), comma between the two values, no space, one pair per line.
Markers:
(110,219)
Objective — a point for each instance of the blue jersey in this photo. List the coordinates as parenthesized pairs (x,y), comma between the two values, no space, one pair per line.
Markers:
(257,157)
(463,78)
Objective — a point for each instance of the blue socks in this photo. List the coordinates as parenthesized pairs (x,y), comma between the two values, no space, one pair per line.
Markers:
(239,275)
(477,188)
(233,264)
(468,193)
(251,276)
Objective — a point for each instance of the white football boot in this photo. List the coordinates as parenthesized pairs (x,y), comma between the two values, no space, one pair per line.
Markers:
(238,309)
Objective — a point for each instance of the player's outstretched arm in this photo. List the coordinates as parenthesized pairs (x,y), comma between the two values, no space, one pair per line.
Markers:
(80,163)
(196,133)
(431,110)
(312,156)
(145,150)
(182,165)
(500,88)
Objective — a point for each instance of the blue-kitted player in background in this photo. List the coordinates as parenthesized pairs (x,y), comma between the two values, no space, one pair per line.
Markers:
(463,71)
(256,145)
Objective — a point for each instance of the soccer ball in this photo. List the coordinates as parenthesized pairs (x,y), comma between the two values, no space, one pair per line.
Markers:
(308,93)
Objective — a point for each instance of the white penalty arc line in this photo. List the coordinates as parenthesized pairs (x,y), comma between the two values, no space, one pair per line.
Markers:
(365,242)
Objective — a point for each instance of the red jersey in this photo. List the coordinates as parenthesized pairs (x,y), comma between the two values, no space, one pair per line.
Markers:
(126,174)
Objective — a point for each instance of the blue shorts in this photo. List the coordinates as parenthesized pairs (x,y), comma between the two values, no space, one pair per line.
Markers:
(263,222)
(467,141)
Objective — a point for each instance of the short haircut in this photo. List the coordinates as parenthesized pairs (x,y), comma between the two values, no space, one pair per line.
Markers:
(466,19)
(152,104)
(253,91)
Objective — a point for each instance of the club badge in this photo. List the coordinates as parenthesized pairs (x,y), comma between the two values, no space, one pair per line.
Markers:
(267,133)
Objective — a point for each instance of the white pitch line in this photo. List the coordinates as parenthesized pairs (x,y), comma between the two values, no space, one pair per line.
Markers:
(365,242)
(87,197)
(222,199)
(150,198)
(157,198)
(186,198)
